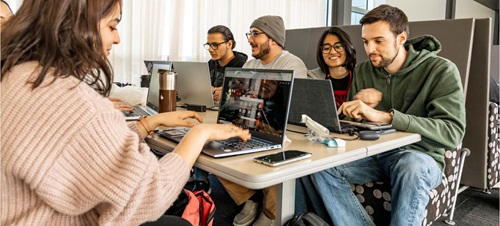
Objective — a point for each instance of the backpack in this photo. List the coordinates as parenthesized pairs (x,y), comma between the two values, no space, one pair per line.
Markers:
(306,219)
(196,207)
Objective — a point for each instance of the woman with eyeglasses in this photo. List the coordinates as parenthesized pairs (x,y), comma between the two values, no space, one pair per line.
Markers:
(336,58)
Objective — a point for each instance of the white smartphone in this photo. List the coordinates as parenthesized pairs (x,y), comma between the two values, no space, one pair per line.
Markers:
(283,157)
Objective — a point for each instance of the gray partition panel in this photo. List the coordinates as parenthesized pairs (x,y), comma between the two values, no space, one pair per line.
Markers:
(476,137)
(455,36)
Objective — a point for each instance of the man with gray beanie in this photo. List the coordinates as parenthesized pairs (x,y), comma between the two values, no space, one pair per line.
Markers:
(267,39)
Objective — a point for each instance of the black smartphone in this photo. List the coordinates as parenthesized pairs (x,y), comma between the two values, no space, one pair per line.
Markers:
(283,157)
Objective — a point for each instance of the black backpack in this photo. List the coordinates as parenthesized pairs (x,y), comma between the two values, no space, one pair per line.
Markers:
(306,219)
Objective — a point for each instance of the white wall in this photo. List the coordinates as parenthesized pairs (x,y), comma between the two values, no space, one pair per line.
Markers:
(472,9)
(436,10)
(421,9)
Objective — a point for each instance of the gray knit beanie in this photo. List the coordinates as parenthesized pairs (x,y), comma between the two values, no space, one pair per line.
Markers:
(273,26)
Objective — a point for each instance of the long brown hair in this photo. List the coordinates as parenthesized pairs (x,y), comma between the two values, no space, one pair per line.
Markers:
(62,35)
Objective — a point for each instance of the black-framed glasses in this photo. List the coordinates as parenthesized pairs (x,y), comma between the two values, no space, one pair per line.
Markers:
(214,45)
(327,48)
(253,34)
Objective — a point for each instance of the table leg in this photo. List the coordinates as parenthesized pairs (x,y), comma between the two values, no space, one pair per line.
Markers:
(285,201)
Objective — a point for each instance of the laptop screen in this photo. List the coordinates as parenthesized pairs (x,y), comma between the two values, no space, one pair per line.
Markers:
(257,100)
(193,83)
(153,100)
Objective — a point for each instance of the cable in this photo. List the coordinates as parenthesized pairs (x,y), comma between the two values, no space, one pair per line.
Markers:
(348,139)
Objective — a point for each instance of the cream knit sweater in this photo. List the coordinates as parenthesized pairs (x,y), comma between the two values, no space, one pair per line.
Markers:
(69,158)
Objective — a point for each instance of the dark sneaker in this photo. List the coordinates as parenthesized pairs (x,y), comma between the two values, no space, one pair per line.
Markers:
(197,185)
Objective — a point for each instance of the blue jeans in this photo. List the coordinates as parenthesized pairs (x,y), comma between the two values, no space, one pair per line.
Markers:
(412,175)
(200,174)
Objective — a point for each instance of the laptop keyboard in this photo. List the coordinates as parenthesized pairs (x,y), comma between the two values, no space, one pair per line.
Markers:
(239,144)
(137,112)
(235,143)
(347,127)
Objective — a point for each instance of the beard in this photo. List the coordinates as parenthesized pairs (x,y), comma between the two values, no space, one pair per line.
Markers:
(383,61)
(264,50)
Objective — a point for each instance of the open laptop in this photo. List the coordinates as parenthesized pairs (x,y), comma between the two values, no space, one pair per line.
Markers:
(253,99)
(314,97)
(193,83)
(153,98)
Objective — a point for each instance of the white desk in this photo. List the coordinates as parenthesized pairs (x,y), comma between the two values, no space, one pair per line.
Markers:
(242,170)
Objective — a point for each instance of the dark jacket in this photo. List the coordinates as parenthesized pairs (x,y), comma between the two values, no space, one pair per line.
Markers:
(217,72)
(426,96)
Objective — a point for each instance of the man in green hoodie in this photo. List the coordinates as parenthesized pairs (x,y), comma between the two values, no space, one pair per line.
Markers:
(405,83)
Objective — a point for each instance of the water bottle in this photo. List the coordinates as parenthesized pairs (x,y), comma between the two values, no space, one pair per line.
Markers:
(168,98)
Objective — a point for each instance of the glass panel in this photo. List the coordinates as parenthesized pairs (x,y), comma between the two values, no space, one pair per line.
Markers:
(355,17)
(363,4)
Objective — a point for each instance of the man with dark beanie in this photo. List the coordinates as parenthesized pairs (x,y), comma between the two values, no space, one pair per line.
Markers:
(267,38)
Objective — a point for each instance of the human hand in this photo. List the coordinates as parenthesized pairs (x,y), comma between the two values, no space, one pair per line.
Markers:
(358,110)
(174,118)
(224,131)
(191,145)
(217,92)
(369,96)
(120,105)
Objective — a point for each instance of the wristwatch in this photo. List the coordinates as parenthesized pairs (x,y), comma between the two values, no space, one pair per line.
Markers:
(392,114)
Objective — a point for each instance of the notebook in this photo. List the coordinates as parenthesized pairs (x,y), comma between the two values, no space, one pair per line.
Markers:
(314,97)
(153,98)
(193,83)
(253,99)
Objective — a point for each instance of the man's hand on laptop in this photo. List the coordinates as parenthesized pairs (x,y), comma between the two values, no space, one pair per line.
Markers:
(358,110)
(369,96)
(217,91)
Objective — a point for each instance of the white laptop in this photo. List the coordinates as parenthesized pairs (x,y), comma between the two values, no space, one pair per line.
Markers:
(253,99)
(152,102)
(193,83)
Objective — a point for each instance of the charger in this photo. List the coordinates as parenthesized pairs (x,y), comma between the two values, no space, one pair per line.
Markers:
(196,107)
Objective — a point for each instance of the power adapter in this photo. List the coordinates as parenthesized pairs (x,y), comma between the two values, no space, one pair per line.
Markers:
(196,107)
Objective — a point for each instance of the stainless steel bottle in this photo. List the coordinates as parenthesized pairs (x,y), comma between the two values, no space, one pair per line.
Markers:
(168,98)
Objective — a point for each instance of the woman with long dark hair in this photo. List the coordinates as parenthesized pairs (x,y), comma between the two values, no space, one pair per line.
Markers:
(336,59)
(68,156)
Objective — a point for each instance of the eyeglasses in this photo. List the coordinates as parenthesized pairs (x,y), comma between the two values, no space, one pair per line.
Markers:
(214,45)
(327,48)
(253,34)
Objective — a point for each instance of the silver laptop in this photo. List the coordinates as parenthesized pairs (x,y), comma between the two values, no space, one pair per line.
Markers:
(315,98)
(253,99)
(152,101)
(193,83)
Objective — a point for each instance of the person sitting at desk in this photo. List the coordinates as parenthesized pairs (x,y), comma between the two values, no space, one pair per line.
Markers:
(68,156)
(5,12)
(336,59)
(220,44)
(267,39)
(404,83)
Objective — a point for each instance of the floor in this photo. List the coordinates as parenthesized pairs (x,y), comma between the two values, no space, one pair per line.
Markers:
(473,207)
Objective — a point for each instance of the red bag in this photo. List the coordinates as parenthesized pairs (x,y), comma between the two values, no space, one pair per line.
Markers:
(200,209)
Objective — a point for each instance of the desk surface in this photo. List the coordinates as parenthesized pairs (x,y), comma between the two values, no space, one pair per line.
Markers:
(244,171)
